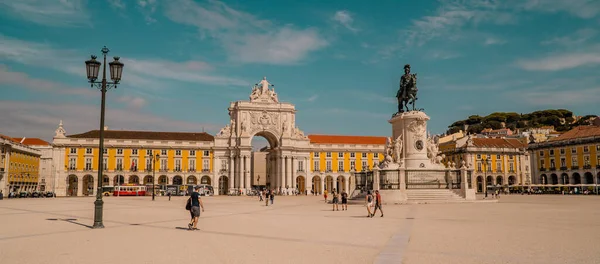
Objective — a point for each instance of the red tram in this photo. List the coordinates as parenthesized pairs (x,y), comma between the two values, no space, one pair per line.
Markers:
(130,190)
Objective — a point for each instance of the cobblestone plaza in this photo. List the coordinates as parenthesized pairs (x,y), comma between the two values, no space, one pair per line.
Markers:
(517,229)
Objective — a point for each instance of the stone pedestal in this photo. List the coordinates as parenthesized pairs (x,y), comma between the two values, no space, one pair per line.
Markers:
(412,127)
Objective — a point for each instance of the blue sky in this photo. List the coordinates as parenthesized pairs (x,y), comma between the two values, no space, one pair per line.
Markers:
(339,62)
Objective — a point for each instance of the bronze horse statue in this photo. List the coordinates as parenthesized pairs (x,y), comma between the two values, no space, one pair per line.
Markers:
(407,94)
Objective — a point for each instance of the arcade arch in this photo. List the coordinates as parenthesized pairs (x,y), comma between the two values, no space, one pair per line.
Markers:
(205,180)
(87,185)
(134,179)
(72,185)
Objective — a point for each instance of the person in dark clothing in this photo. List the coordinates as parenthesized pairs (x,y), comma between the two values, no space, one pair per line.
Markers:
(195,211)
(378,202)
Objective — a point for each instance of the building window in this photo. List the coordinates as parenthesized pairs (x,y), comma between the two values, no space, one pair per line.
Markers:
(328,165)
(316,166)
(586,160)
(177,165)
(178,152)
(526,168)
(192,165)
(542,164)
(206,153)
(134,152)
(364,155)
(205,165)
(489,157)
(551,152)
(300,165)
(192,153)
(597,149)
(586,149)
(73,151)
(134,164)
(552,164)
(563,163)
(488,165)
(148,152)
(352,154)
(88,164)
(364,165)
(316,154)
(511,167)
(574,162)
(340,154)
(376,155)
(72,164)
(352,165)
(541,153)
(498,167)
(105,151)
(119,151)
(498,157)
(478,156)
(562,151)
(105,164)
(149,164)
(340,165)
(163,164)
(479,166)
(574,150)
(163,152)
(119,164)
(88,151)
(328,154)
(223,164)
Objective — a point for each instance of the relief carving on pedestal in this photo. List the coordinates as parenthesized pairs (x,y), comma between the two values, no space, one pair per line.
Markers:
(417,127)
(263,121)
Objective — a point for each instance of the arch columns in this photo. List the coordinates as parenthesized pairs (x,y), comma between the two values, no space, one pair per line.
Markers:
(247,181)
(231,179)
(288,173)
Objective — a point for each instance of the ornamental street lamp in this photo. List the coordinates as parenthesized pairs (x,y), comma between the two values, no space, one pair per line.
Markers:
(155,158)
(92,67)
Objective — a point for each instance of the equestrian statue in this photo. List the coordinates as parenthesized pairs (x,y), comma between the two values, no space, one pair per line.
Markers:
(407,94)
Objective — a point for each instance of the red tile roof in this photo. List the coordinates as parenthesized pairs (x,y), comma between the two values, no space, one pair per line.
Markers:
(337,139)
(32,141)
(6,137)
(148,135)
(498,143)
(579,132)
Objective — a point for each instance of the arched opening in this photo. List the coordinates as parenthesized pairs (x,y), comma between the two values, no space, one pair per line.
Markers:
(564,178)
(589,178)
(118,180)
(316,185)
(192,180)
(205,180)
(177,180)
(263,171)
(489,180)
(163,180)
(72,183)
(554,178)
(329,184)
(301,184)
(133,179)
(105,181)
(499,180)
(87,187)
(223,185)
(544,179)
(148,179)
(576,178)
(512,180)
(479,183)
(340,184)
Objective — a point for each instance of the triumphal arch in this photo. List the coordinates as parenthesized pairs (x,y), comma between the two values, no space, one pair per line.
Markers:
(263,115)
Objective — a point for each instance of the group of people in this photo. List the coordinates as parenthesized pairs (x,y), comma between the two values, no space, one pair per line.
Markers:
(268,195)
(335,200)
(375,202)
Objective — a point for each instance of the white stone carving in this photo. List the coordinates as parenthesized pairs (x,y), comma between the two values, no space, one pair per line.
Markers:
(398,149)
(417,127)
(262,94)
(225,132)
(60,131)
(432,150)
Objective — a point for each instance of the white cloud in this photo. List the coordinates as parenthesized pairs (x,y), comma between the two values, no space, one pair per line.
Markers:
(313,98)
(493,41)
(442,55)
(561,61)
(580,8)
(117,4)
(64,13)
(132,101)
(576,38)
(246,38)
(560,98)
(8,77)
(142,73)
(35,119)
(345,19)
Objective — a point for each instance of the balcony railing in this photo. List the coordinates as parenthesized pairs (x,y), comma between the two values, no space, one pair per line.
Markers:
(192,170)
(163,170)
(148,169)
(574,167)
(563,168)
(205,170)
(542,169)
(552,168)
(588,166)
(223,170)
(300,170)
(177,170)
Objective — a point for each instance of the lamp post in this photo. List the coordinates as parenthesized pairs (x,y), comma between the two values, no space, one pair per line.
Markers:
(485,168)
(92,68)
(155,159)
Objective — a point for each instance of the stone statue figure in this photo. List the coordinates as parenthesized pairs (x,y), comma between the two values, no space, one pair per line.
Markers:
(398,149)
(226,131)
(407,94)
(389,151)
(264,85)
(432,150)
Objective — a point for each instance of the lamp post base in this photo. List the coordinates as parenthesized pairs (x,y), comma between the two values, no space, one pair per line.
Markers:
(98,204)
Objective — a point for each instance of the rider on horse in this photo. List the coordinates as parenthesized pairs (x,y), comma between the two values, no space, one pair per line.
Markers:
(407,94)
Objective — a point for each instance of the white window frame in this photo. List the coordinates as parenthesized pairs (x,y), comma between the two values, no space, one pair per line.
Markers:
(364,155)
(163,152)
(119,164)
(89,151)
(71,151)
(134,152)
(340,165)
(328,154)
(352,155)
(316,166)
(340,154)
(316,154)
(89,164)
(192,153)
(206,165)
(178,152)
(206,153)
(119,151)
(328,166)
(301,165)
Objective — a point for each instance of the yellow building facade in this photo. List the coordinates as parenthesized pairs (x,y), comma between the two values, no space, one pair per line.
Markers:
(570,160)
(19,166)
(496,161)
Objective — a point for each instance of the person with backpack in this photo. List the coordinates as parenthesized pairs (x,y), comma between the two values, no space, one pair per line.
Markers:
(267,194)
(369,200)
(194,204)
(344,201)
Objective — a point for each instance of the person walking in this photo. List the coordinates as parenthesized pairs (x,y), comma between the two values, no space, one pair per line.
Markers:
(260,195)
(169,194)
(335,201)
(369,203)
(196,203)
(344,201)
(378,202)
(267,194)
(272,197)
(325,195)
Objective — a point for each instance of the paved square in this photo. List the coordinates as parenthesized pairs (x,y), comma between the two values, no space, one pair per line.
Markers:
(518,229)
